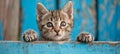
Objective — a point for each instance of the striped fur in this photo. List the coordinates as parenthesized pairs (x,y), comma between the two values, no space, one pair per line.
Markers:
(56,17)
(55,25)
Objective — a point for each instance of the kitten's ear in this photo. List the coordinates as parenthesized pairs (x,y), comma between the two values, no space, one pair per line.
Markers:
(68,8)
(41,10)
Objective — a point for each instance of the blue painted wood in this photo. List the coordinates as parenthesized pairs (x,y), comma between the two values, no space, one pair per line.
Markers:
(84,16)
(28,9)
(117,15)
(109,20)
(1,37)
(49,4)
(9,47)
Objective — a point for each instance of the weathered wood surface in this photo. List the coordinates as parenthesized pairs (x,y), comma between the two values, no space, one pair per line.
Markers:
(9,14)
(12,47)
(1,35)
(108,20)
(2,15)
(49,4)
(28,15)
(99,17)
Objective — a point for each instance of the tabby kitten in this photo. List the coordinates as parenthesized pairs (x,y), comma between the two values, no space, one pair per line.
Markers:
(55,25)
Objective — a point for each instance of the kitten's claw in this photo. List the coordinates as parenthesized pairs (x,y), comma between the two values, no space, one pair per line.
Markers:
(29,36)
(85,38)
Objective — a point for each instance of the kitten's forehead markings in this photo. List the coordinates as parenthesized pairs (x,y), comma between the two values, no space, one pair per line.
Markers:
(45,15)
(52,16)
(55,16)
(59,16)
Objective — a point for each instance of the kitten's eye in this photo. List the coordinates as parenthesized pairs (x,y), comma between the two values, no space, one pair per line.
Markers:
(49,24)
(63,23)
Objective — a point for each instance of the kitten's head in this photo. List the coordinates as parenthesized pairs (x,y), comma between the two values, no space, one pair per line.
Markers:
(56,24)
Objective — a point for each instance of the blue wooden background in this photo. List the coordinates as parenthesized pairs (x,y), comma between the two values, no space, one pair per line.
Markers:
(98,17)
(1,37)
(109,20)
(10,47)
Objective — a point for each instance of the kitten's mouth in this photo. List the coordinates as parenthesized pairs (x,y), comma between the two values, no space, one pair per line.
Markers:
(57,35)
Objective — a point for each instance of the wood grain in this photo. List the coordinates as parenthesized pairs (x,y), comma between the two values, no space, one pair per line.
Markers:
(10,18)
(56,48)
(109,20)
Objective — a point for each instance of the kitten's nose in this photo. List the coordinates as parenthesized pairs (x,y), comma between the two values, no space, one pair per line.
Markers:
(56,31)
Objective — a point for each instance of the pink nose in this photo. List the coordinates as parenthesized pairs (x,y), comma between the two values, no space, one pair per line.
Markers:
(56,31)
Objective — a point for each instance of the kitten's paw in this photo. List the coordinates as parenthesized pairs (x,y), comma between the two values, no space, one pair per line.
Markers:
(85,38)
(29,36)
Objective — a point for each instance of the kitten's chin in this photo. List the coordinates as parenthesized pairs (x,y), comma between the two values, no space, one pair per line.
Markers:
(57,37)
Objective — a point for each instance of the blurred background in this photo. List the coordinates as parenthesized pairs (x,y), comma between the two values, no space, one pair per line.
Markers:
(101,18)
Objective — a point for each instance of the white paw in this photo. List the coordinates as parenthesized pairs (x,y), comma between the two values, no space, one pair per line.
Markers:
(29,36)
(85,38)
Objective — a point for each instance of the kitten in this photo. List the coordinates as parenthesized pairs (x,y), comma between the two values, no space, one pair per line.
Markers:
(55,25)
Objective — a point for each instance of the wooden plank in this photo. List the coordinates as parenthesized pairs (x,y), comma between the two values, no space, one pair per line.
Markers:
(49,4)
(16,47)
(117,15)
(28,10)
(2,15)
(84,16)
(28,15)
(109,20)
(1,35)
(10,18)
